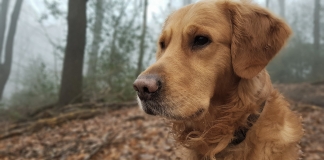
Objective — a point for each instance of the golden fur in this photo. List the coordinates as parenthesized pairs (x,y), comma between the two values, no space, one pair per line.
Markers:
(208,92)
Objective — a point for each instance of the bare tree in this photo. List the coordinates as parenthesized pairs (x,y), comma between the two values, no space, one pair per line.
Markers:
(282,7)
(97,30)
(5,67)
(316,31)
(316,71)
(267,3)
(186,2)
(142,42)
(3,23)
(71,83)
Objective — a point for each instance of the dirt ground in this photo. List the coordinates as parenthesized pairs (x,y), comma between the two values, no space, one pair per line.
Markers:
(129,134)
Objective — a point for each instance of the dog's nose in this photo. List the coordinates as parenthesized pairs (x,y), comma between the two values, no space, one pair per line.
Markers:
(146,86)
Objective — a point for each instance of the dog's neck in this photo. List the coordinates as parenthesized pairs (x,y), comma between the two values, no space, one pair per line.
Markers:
(240,133)
(263,88)
(216,130)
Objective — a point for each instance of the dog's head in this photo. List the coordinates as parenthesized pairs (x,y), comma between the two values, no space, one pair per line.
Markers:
(204,50)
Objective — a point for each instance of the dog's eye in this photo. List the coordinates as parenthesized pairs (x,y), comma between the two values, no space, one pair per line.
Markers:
(162,45)
(200,41)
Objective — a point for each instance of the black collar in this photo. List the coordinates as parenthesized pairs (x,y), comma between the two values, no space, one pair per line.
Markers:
(240,134)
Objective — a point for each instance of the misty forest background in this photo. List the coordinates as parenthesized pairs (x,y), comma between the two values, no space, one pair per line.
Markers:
(67,68)
(59,52)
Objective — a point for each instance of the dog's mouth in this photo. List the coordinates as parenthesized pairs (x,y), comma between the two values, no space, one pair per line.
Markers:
(151,107)
(160,108)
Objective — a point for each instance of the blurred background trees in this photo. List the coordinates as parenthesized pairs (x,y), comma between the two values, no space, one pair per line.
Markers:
(8,43)
(302,59)
(91,51)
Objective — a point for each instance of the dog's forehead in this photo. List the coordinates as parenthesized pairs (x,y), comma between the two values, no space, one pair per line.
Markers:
(203,18)
(206,13)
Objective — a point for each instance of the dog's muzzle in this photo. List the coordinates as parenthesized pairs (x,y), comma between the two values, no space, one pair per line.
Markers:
(148,88)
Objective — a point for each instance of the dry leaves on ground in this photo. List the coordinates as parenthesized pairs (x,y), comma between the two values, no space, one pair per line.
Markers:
(129,134)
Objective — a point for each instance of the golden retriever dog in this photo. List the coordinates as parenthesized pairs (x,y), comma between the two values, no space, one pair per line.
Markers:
(210,80)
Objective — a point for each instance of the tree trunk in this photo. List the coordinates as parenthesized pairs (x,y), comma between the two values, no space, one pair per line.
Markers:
(316,32)
(3,23)
(71,83)
(5,67)
(142,46)
(317,71)
(93,55)
(186,2)
(282,7)
(267,3)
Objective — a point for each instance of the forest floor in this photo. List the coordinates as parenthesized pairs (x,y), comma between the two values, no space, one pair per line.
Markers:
(129,134)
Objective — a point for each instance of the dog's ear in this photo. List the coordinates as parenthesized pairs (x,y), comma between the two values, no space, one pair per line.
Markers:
(257,37)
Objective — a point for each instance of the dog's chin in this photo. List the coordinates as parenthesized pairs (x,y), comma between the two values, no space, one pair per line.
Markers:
(149,107)
(155,109)
(149,110)
(199,114)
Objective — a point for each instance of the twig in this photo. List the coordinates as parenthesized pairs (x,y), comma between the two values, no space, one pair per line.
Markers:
(107,139)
